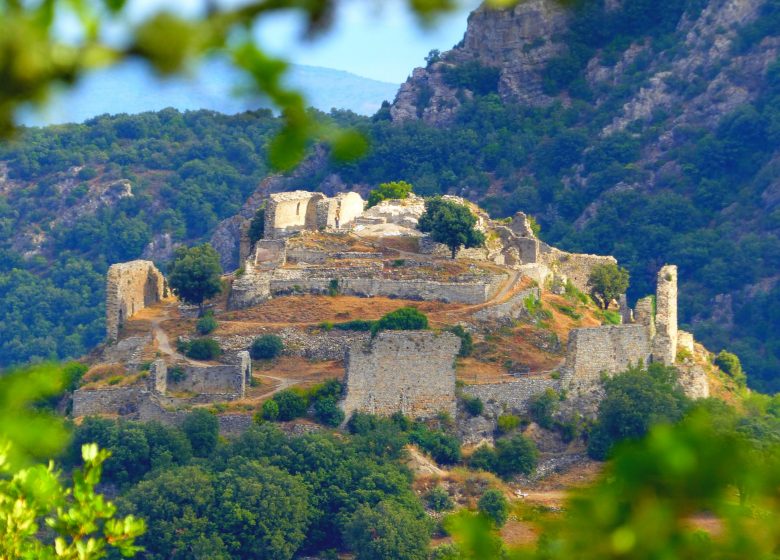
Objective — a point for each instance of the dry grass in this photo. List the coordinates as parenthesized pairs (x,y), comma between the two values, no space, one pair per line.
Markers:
(102,376)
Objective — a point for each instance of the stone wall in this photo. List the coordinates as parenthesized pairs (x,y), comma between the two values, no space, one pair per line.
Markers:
(339,211)
(665,341)
(513,395)
(158,376)
(402,371)
(574,266)
(130,287)
(610,349)
(122,401)
(513,308)
(290,212)
(227,381)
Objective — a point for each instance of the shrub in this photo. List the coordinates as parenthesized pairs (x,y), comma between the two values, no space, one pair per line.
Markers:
(494,505)
(389,191)
(730,363)
(438,499)
(333,287)
(177,374)
(207,323)
(403,319)
(203,349)
(483,459)
(466,340)
(291,404)
(473,405)
(634,401)
(507,423)
(356,325)
(270,410)
(515,455)
(202,429)
(543,406)
(444,448)
(266,347)
(327,411)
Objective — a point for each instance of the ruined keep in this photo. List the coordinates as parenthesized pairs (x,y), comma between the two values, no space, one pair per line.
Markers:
(412,372)
(130,287)
(291,212)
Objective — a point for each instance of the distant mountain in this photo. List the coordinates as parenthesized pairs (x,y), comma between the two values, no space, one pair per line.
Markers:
(134,88)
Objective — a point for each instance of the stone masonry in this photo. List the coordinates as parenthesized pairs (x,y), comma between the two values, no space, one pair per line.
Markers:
(610,349)
(665,341)
(290,212)
(130,287)
(402,371)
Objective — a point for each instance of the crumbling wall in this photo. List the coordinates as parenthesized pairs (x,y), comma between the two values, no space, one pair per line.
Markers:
(513,395)
(158,374)
(609,349)
(402,371)
(228,381)
(574,266)
(665,341)
(339,211)
(290,212)
(511,309)
(130,287)
(122,401)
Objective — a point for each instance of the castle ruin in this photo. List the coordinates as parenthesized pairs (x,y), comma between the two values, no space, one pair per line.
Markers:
(130,287)
(412,372)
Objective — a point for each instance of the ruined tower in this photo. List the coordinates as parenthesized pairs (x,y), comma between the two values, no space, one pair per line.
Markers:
(665,341)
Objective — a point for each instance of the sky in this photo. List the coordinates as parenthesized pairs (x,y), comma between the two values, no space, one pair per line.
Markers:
(378,39)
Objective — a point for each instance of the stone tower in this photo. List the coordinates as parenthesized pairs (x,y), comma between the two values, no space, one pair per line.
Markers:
(665,341)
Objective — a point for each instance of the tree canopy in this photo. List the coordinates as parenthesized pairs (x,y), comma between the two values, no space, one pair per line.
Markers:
(450,223)
(389,191)
(607,282)
(195,274)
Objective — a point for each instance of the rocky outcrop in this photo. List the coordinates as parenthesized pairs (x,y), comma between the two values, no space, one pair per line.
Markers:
(518,41)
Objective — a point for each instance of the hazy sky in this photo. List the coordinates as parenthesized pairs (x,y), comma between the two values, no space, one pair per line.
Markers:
(377,39)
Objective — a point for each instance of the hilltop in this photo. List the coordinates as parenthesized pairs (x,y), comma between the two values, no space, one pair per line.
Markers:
(653,142)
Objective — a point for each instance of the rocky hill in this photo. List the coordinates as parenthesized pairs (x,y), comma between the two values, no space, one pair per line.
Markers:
(643,131)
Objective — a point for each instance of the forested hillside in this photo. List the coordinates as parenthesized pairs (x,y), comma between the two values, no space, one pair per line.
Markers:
(646,131)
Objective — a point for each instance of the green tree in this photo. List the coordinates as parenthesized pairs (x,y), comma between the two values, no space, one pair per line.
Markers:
(292,404)
(607,282)
(261,512)
(270,410)
(195,274)
(202,429)
(387,532)
(450,223)
(389,191)
(203,349)
(634,401)
(730,363)
(515,455)
(267,347)
(179,504)
(494,504)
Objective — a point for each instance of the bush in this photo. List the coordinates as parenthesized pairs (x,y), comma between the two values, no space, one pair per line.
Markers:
(266,347)
(438,499)
(483,459)
(466,340)
(403,319)
(291,404)
(270,410)
(203,349)
(473,405)
(444,448)
(634,401)
(730,364)
(202,429)
(356,325)
(389,191)
(494,505)
(543,406)
(327,411)
(207,323)
(507,423)
(515,455)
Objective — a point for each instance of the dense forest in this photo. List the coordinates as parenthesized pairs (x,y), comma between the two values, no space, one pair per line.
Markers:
(187,171)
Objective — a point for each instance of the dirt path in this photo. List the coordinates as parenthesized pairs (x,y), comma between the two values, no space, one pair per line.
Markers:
(164,343)
(284,383)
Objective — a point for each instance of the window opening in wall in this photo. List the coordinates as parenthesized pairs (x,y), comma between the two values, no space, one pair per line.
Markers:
(298,209)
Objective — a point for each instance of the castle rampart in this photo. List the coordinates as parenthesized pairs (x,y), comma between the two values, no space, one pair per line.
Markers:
(665,341)
(402,371)
(514,395)
(130,287)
